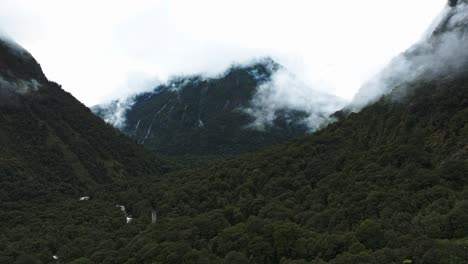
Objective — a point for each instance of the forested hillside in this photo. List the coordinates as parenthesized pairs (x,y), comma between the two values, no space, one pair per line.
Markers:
(54,151)
(386,185)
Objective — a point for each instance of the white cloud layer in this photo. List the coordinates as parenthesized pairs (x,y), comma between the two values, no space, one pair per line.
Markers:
(440,54)
(100,50)
(286,92)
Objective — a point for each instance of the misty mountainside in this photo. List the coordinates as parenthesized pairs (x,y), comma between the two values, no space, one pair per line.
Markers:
(207,116)
(385,184)
(16,63)
(54,150)
(441,52)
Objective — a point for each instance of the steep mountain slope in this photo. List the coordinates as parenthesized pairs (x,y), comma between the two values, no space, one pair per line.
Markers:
(207,116)
(53,151)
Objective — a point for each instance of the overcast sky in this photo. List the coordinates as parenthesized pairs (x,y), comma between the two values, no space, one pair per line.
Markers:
(104,49)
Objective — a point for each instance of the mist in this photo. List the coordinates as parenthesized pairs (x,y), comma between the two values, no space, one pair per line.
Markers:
(9,83)
(441,53)
(286,92)
(331,49)
(12,88)
(441,50)
(19,86)
(332,46)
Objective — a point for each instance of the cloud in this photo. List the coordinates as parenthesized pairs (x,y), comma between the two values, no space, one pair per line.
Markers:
(9,82)
(11,88)
(442,52)
(19,85)
(114,113)
(332,47)
(286,92)
(91,47)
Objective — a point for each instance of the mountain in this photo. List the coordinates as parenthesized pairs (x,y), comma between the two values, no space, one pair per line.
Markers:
(197,116)
(441,52)
(54,150)
(387,184)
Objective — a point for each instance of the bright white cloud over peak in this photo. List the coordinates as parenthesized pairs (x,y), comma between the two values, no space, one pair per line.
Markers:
(97,48)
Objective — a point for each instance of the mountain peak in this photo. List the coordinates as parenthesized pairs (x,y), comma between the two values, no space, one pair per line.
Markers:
(198,115)
(16,62)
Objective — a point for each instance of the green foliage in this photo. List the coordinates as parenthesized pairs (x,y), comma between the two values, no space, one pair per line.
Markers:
(380,186)
(235,257)
(371,234)
(53,151)
(82,261)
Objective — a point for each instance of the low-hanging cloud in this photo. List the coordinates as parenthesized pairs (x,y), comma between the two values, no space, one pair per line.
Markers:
(19,86)
(9,82)
(314,92)
(114,113)
(10,89)
(278,92)
(286,92)
(442,52)
(337,43)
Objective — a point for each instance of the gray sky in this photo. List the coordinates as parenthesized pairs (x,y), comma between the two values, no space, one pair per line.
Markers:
(100,50)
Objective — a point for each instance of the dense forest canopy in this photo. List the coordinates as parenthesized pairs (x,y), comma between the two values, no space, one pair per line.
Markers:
(53,151)
(382,186)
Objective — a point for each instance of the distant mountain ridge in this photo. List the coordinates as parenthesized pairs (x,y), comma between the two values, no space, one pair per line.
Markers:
(205,116)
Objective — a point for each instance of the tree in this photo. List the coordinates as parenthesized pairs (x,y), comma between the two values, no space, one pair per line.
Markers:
(371,234)
(235,257)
